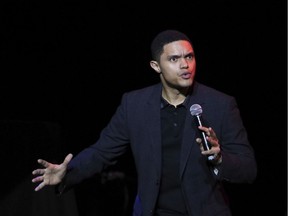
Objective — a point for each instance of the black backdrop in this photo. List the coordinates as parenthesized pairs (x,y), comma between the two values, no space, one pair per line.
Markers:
(65,65)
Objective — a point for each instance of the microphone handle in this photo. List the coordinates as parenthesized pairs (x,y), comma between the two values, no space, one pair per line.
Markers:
(205,143)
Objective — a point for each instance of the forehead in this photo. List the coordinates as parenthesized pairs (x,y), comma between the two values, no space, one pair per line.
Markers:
(178,47)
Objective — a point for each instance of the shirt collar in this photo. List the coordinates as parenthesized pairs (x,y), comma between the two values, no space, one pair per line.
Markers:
(165,103)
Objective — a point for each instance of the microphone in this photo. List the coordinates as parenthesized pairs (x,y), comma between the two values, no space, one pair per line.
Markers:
(196,110)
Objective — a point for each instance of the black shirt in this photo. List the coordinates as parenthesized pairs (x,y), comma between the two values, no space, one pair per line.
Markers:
(170,198)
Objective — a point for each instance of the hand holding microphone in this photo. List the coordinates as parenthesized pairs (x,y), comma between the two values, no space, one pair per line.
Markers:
(209,144)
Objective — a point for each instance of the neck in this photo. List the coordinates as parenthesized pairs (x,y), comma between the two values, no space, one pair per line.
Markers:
(173,97)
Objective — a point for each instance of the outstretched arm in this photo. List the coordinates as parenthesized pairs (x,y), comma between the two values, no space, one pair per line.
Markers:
(52,174)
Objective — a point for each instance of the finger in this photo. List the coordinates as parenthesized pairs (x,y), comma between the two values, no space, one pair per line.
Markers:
(38,172)
(43,162)
(208,132)
(199,141)
(38,179)
(213,141)
(67,159)
(202,128)
(212,132)
(201,147)
(40,186)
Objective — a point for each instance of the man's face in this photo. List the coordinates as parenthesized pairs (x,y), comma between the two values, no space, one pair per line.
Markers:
(177,64)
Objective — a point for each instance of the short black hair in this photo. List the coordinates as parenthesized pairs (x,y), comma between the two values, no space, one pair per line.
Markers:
(164,38)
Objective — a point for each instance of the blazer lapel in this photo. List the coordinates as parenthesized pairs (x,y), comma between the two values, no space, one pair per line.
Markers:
(189,145)
(188,141)
(155,127)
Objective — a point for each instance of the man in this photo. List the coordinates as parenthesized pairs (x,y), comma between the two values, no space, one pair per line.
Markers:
(176,174)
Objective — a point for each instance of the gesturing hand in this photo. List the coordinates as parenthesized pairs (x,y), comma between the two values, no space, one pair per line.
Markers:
(52,174)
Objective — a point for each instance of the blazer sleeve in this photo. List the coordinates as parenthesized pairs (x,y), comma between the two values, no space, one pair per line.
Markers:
(112,143)
(238,158)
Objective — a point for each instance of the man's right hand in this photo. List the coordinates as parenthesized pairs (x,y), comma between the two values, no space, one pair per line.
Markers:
(52,174)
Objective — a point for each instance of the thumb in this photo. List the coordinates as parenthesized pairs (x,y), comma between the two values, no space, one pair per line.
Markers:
(199,141)
(67,159)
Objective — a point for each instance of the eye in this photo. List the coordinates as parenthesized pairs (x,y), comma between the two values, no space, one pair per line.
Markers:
(173,59)
(190,56)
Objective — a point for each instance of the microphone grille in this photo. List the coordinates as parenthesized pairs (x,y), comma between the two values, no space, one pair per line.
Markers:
(196,109)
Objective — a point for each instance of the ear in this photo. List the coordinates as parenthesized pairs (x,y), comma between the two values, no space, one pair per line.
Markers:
(155,66)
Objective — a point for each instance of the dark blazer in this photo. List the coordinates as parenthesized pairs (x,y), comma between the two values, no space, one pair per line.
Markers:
(136,123)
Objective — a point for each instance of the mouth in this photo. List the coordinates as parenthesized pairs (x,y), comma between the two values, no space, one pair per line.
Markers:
(186,75)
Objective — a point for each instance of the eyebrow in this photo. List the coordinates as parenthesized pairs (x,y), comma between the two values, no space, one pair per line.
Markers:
(177,56)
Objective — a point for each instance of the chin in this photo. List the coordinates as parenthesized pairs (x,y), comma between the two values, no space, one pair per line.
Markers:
(186,84)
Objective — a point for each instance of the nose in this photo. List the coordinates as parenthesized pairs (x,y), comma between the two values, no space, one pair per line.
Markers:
(184,63)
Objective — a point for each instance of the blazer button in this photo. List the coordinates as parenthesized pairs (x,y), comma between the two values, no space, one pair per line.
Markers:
(157,182)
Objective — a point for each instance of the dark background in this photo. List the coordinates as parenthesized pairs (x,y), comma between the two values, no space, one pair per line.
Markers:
(65,65)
